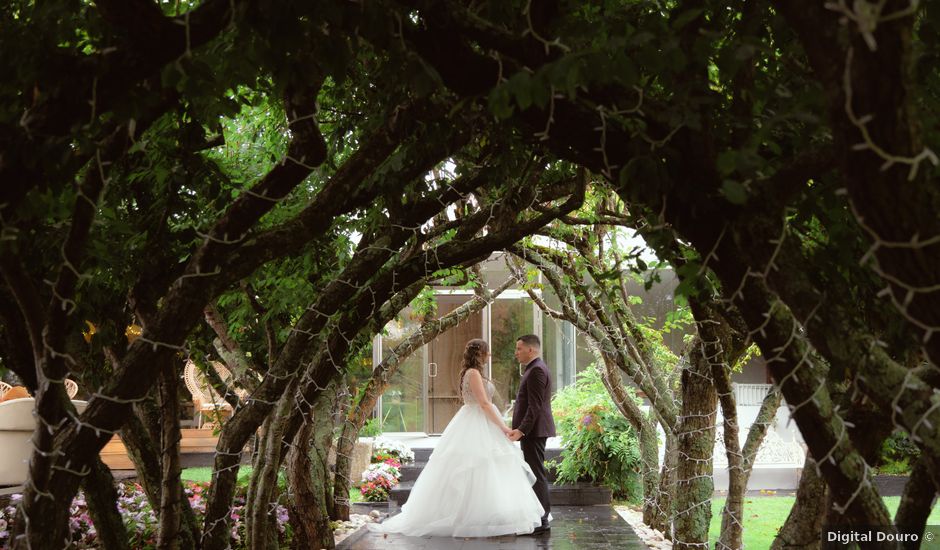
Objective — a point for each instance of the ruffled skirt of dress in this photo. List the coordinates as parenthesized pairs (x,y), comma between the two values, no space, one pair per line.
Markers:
(476,484)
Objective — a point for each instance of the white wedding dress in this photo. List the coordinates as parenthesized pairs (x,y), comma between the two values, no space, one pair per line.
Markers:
(476,483)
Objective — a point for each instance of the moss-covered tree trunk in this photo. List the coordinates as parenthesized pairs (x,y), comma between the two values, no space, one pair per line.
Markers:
(803,526)
(308,472)
(263,485)
(696,445)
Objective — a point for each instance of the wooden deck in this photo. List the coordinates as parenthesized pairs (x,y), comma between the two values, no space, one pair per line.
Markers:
(194,441)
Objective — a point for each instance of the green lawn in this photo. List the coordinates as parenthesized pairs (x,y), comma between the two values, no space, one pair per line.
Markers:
(204,475)
(763,516)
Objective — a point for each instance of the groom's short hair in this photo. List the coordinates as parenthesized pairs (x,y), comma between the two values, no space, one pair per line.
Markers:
(531,340)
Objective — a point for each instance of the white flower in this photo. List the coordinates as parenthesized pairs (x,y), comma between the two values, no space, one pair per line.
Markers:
(396,448)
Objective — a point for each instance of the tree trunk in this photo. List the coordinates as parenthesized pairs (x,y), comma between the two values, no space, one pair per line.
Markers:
(102,500)
(143,453)
(696,438)
(867,431)
(918,498)
(803,528)
(309,472)
(303,496)
(258,459)
(666,496)
(732,529)
(341,480)
(169,534)
(649,458)
(801,373)
(264,477)
(646,431)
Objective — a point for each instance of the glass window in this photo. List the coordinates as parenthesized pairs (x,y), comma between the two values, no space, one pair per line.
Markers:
(584,355)
(509,319)
(558,348)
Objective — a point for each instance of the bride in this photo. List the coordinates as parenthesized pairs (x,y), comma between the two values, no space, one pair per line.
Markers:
(476,483)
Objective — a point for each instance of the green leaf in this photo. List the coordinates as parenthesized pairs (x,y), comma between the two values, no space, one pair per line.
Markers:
(727,162)
(521,87)
(686,17)
(734,191)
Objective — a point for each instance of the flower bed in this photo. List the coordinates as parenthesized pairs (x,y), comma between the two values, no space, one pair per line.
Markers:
(385,470)
(140,520)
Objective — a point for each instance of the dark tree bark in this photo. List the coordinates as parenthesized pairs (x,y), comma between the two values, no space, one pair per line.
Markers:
(169,536)
(803,528)
(102,498)
(52,403)
(144,454)
(918,497)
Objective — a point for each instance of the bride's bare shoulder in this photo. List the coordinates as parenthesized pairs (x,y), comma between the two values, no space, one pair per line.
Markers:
(474,374)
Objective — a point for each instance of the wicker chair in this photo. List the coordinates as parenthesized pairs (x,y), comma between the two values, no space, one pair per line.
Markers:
(4,387)
(205,398)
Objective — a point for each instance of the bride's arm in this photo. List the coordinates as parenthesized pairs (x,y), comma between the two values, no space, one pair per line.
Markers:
(479,392)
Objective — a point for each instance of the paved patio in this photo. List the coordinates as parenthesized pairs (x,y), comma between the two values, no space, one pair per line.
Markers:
(573,527)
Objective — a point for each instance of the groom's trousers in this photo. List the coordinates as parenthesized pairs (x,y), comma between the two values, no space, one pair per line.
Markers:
(533,451)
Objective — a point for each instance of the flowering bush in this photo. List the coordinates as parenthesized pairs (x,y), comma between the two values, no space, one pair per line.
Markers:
(382,471)
(374,492)
(378,480)
(384,449)
(139,519)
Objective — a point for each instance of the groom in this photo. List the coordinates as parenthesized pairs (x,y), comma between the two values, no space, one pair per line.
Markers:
(532,416)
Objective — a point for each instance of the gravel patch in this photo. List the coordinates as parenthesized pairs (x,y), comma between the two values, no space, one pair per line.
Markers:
(356,522)
(653,538)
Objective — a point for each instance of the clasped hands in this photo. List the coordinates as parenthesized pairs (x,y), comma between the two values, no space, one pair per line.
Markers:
(514,435)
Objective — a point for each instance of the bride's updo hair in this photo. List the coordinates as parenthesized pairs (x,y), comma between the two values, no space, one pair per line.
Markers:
(473,356)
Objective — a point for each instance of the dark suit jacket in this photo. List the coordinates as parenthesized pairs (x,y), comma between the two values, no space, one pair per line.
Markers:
(532,413)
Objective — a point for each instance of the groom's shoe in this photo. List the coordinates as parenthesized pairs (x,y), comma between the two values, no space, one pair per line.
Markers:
(541,529)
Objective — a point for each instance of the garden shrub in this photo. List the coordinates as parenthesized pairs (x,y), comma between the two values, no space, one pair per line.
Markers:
(898,454)
(371,428)
(600,445)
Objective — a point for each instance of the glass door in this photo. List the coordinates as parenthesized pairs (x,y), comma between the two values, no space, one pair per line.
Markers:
(443,368)
(402,406)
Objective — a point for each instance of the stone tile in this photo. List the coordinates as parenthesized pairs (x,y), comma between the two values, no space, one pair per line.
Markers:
(574,528)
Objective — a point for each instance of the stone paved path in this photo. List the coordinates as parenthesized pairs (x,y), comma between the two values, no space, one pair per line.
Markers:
(573,527)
